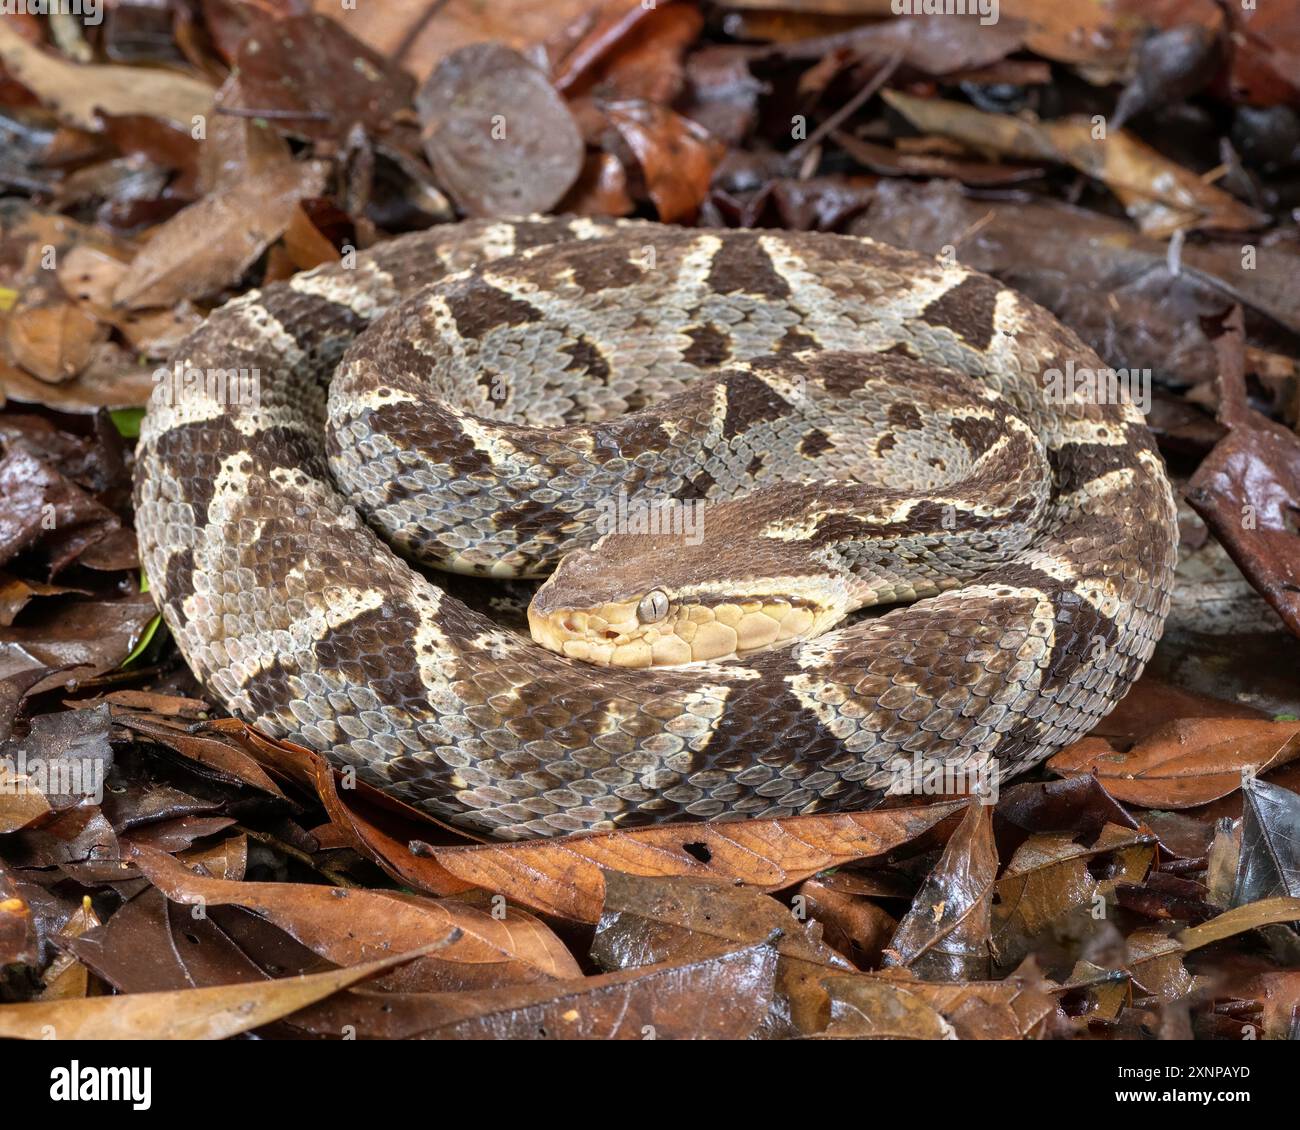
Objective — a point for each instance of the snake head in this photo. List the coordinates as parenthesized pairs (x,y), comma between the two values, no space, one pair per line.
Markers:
(637,600)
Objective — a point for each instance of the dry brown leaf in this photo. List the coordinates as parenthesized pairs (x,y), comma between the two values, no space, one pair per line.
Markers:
(208,245)
(563,876)
(188,1014)
(1266,912)
(677,156)
(1186,763)
(76,92)
(418,34)
(348,926)
(1119,161)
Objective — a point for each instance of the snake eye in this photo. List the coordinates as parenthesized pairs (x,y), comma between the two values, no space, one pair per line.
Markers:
(653,607)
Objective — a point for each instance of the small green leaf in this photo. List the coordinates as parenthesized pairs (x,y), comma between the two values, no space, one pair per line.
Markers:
(146,638)
(127,421)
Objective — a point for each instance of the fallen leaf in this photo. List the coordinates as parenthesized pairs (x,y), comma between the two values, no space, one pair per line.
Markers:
(562,876)
(676,156)
(1241,918)
(281,62)
(660,1002)
(1184,764)
(189,1014)
(1269,864)
(349,926)
(75,92)
(208,245)
(864,1008)
(653,920)
(1119,160)
(500,139)
(945,934)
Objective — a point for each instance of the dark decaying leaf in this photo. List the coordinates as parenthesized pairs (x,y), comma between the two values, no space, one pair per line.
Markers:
(651,920)
(1248,488)
(281,64)
(668,1002)
(1119,294)
(1269,864)
(945,934)
(45,511)
(500,139)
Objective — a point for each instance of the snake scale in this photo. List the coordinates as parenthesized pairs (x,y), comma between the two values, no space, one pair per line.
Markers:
(860,425)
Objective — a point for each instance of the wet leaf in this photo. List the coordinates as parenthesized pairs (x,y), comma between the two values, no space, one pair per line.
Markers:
(1269,864)
(1248,488)
(662,1002)
(651,920)
(945,934)
(45,511)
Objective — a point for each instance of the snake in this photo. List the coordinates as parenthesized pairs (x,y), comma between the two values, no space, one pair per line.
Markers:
(809,507)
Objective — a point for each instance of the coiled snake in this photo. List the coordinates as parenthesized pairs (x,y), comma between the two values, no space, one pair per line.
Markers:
(536,384)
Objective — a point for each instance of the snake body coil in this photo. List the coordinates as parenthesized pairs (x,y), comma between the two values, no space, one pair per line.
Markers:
(527,374)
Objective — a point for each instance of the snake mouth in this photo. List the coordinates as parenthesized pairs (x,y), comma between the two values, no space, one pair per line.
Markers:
(613,636)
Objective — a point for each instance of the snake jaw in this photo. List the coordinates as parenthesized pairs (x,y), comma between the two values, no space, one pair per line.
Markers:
(613,636)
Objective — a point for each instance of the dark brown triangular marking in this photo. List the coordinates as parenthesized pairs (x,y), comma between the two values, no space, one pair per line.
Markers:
(741,265)
(967,309)
(749,401)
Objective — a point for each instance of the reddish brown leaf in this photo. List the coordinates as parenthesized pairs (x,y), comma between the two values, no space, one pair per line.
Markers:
(351,926)
(677,156)
(563,876)
(1184,764)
